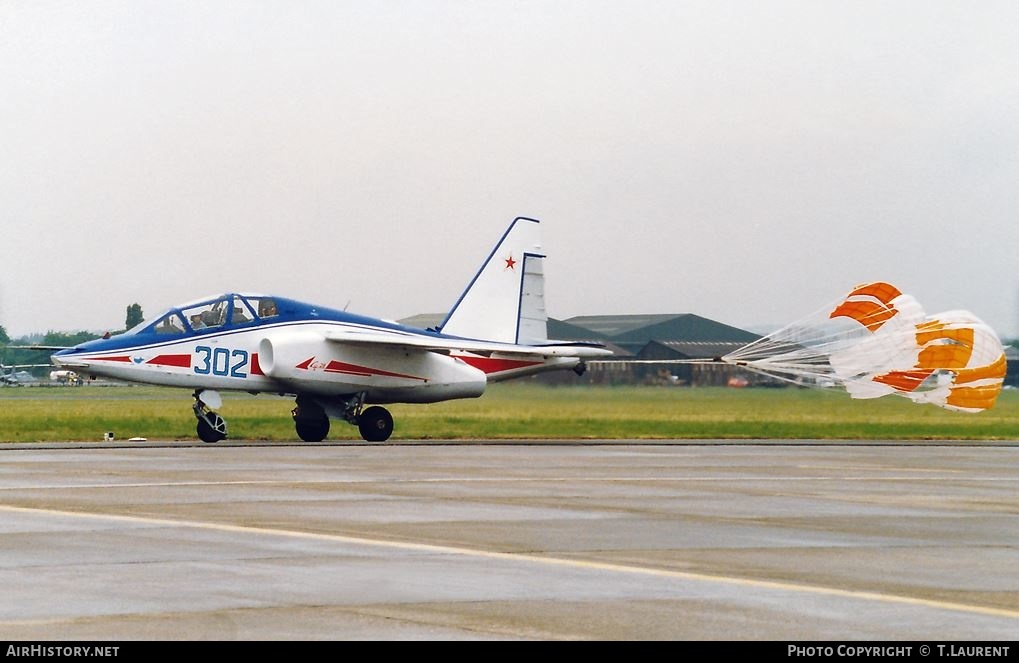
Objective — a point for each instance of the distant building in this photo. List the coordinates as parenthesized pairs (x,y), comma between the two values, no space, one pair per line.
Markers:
(633,332)
(666,336)
(1012,361)
(424,320)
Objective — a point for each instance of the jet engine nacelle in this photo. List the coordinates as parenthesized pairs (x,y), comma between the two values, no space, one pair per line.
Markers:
(308,363)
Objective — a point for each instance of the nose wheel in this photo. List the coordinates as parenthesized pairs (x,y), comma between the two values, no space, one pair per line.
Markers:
(211,426)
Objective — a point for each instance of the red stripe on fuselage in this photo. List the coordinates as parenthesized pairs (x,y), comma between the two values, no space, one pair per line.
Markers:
(354,369)
(122,359)
(311,364)
(179,361)
(256,368)
(488,365)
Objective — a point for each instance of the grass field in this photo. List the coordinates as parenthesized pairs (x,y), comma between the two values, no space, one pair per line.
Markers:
(515,411)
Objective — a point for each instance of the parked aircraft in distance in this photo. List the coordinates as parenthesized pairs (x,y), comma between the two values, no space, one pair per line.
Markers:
(16,376)
(336,363)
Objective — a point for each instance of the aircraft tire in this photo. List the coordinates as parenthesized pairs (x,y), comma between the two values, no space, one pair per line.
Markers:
(375,424)
(312,430)
(210,433)
(310,420)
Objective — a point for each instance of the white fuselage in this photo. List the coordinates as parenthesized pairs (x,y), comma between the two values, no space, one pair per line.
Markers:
(296,357)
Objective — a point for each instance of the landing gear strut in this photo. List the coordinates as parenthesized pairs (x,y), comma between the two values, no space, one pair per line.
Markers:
(211,426)
(375,423)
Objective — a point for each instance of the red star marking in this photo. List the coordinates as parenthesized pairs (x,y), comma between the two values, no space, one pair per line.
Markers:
(510,262)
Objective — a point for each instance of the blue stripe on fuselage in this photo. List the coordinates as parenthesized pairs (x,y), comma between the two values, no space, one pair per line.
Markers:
(291,313)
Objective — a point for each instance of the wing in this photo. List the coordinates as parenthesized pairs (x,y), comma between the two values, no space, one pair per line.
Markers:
(446,344)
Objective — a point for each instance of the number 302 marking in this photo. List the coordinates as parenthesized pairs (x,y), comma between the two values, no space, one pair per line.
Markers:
(221,361)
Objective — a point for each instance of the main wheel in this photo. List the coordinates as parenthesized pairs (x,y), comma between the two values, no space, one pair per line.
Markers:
(211,428)
(375,424)
(312,430)
(310,420)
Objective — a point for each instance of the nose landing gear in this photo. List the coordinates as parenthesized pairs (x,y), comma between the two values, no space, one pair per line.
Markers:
(211,426)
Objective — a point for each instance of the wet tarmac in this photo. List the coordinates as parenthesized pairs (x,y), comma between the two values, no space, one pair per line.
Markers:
(493,540)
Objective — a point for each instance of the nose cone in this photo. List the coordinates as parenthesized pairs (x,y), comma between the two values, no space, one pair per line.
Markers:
(68,358)
(58,357)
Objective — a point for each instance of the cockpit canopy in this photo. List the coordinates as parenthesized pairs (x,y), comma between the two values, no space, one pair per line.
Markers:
(224,311)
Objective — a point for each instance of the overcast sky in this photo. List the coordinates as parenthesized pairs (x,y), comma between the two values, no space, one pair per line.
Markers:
(745,161)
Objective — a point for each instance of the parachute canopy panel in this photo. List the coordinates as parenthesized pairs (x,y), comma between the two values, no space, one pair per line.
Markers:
(878,341)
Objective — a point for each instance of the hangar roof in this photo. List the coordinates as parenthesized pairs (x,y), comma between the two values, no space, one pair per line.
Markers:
(686,349)
(661,327)
(629,331)
(564,331)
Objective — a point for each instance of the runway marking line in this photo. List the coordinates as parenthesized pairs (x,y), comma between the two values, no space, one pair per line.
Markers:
(532,558)
(844,468)
(551,479)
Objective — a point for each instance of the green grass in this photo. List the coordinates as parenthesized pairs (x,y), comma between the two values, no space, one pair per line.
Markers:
(515,411)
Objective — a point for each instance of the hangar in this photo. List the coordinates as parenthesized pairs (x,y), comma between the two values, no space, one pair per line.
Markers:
(657,336)
(643,337)
(1012,361)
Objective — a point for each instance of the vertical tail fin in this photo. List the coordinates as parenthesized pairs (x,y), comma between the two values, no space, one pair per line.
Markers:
(505,301)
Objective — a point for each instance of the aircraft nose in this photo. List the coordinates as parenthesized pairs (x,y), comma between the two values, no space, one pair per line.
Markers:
(65,358)
(57,358)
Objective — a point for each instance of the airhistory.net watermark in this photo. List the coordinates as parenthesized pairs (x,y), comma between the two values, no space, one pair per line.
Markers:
(57,651)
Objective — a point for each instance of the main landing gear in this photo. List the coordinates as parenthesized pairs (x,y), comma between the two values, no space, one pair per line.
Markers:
(310,417)
(211,426)
(312,422)
(375,424)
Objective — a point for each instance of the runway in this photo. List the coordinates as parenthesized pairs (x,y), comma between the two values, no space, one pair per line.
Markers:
(500,540)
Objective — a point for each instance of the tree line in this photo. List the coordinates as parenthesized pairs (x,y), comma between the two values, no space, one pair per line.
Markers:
(15,356)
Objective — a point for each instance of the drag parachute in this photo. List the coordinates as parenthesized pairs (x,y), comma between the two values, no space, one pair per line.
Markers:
(878,341)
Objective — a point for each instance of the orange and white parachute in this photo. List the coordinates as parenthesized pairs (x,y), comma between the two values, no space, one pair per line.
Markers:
(878,341)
